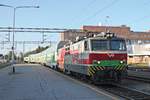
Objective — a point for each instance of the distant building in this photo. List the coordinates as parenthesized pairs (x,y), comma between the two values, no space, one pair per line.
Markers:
(136,41)
(121,31)
(139,53)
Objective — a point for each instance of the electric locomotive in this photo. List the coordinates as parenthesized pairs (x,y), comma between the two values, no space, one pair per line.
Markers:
(101,58)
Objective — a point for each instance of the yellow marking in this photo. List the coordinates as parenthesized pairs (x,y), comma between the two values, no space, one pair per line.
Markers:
(91,71)
(103,68)
(96,68)
(91,74)
(93,68)
(118,67)
(124,66)
(100,68)
(115,67)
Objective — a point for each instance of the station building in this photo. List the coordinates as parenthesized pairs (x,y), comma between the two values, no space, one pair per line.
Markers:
(138,43)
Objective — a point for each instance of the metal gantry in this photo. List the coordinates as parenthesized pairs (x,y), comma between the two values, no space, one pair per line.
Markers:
(41,30)
(35,30)
(26,42)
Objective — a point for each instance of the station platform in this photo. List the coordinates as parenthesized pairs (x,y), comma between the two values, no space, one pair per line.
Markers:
(36,82)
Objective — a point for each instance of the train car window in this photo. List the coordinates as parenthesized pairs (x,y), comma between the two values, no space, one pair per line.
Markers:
(67,50)
(118,45)
(86,46)
(99,45)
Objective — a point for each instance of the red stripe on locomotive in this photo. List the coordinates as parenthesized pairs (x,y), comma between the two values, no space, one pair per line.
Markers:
(105,56)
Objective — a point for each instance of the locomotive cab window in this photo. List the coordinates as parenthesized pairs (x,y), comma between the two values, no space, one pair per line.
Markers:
(86,46)
(99,45)
(117,45)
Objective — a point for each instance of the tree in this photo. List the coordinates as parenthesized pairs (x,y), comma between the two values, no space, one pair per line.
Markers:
(37,50)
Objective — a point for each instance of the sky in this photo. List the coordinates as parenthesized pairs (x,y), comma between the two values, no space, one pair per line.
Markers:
(71,14)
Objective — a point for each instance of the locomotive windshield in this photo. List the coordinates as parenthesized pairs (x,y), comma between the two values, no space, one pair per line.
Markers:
(97,45)
(117,45)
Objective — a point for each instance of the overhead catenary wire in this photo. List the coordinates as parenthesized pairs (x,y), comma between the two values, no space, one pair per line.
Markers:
(100,10)
(140,19)
(83,9)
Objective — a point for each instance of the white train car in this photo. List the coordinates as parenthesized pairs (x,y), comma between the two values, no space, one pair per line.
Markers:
(47,57)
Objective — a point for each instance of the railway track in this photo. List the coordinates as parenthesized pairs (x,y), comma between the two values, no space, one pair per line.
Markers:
(125,92)
(141,79)
(119,90)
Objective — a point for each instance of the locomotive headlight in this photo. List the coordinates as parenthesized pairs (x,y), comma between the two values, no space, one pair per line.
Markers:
(111,35)
(107,35)
(121,62)
(99,62)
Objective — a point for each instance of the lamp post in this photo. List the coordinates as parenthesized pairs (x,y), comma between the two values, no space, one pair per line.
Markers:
(14,18)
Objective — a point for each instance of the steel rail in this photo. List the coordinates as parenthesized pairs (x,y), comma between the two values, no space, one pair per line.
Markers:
(141,79)
(127,93)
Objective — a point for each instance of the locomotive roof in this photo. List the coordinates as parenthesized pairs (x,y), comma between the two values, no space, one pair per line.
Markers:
(65,43)
(100,36)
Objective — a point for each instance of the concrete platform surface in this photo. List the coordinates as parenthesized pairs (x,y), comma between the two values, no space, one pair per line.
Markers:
(35,82)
